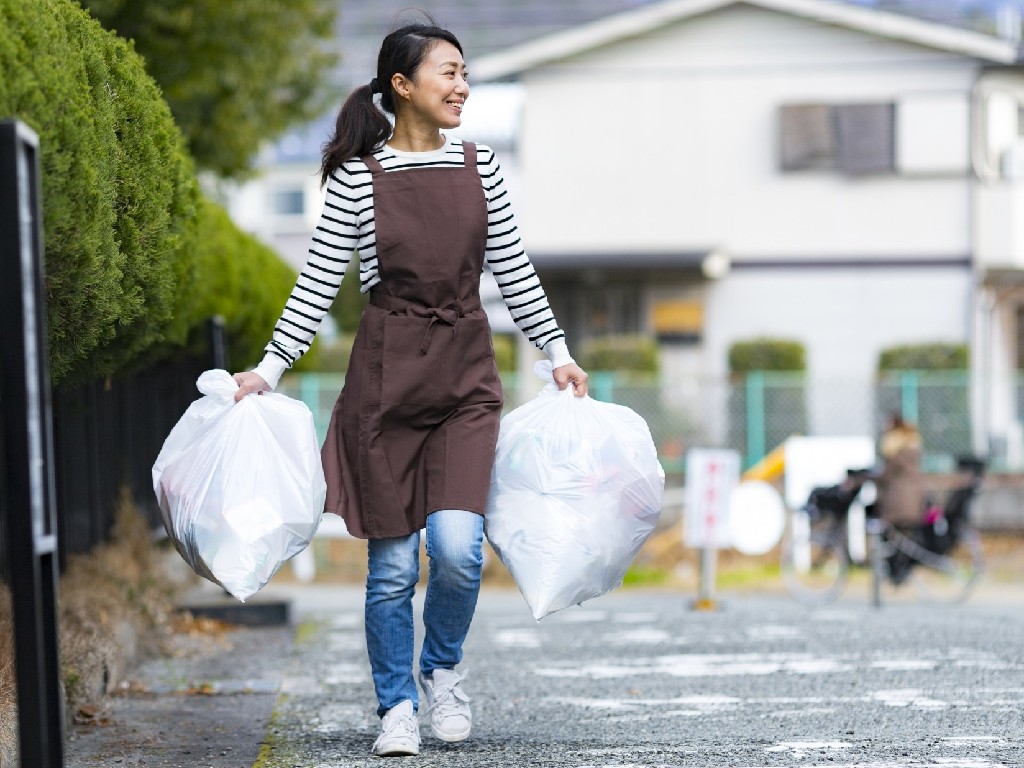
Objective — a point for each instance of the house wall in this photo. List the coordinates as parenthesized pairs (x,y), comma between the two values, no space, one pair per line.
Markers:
(844,317)
(671,144)
(669,141)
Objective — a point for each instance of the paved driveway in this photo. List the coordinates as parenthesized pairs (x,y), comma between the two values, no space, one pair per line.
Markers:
(639,679)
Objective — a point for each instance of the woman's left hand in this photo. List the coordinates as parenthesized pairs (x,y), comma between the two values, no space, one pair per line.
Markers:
(571,374)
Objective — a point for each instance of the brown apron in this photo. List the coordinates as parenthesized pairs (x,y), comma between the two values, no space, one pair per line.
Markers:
(415,426)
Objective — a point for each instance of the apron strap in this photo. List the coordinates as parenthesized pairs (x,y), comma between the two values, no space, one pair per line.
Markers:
(391,303)
(372,164)
(468,150)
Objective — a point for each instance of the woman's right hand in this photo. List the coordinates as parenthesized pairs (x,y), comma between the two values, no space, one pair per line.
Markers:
(249,382)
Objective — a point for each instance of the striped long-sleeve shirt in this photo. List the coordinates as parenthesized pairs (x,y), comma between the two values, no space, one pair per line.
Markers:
(346,227)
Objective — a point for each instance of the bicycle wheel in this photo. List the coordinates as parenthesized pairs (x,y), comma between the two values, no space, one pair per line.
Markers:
(815,564)
(948,578)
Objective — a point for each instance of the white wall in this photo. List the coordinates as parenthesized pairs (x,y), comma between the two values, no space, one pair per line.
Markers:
(669,141)
(844,317)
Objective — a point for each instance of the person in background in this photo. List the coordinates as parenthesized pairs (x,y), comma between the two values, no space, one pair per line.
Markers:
(412,439)
(901,490)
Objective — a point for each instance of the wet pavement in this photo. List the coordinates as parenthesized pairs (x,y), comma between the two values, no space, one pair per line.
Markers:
(635,678)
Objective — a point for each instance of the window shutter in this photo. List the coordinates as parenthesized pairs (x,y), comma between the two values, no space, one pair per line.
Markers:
(864,135)
(806,137)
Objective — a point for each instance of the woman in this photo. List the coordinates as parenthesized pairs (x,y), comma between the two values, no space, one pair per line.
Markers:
(412,439)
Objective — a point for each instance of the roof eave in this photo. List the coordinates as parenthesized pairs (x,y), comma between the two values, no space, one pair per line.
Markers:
(561,45)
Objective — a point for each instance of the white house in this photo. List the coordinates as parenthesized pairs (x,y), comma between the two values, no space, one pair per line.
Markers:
(715,170)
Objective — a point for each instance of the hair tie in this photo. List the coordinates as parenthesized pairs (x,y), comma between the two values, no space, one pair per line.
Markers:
(375,86)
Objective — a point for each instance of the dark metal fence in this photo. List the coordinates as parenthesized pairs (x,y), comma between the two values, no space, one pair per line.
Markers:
(107,436)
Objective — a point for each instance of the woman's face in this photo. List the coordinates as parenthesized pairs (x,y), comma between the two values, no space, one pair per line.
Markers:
(439,90)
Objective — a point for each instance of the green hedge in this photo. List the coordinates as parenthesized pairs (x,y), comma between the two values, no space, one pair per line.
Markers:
(135,259)
(505,352)
(118,188)
(938,356)
(232,274)
(637,354)
(766,355)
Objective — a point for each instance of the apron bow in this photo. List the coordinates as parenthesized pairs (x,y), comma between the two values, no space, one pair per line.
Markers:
(448,315)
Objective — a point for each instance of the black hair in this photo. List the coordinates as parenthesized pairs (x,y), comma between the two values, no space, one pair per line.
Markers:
(361,127)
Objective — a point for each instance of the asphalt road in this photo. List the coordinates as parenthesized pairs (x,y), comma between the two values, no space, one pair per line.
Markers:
(630,679)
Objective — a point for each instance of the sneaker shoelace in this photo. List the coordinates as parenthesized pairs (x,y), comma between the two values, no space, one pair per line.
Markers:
(448,700)
(398,725)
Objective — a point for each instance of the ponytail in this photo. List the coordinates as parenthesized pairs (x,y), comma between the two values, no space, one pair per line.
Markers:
(360,128)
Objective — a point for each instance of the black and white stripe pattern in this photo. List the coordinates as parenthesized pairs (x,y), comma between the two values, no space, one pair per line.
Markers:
(347,225)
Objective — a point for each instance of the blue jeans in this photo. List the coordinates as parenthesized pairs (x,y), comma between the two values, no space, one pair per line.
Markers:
(454,539)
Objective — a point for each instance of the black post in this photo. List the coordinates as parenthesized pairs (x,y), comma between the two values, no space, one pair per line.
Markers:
(218,342)
(28,448)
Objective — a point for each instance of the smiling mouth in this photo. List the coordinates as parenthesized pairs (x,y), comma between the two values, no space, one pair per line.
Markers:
(456,105)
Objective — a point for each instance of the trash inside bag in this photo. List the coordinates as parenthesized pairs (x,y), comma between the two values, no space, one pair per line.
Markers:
(240,485)
(575,492)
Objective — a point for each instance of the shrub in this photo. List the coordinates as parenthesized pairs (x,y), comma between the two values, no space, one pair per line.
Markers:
(234,275)
(136,261)
(505,352)
(939,356)
(766,355)
(637,354)
(117,186)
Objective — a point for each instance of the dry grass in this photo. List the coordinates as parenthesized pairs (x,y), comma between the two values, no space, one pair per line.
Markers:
(112,601)
(110,598)
(8,708)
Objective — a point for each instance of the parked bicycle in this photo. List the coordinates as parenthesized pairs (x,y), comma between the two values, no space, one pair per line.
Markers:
(941,557)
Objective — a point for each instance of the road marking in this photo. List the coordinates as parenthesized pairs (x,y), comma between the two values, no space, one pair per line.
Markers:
(346,620)
(773,632)
(642,636)
(345,643)
(635,618)
(904,665)
(801,748)
(580,616)
(714,665)
(342,673)
(517,638)
(705,665)
(908,697)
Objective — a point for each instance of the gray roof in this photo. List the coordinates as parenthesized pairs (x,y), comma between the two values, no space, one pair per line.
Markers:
(511,61)
(482,26)
(489,27)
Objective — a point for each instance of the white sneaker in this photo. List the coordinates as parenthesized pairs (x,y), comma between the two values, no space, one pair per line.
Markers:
(399,732)
(448,705)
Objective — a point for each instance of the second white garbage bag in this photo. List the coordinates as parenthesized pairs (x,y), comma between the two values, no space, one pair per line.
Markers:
(240,485)
(575,492)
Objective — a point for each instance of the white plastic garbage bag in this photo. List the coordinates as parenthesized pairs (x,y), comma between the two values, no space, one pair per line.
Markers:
(240,485)
(575,491)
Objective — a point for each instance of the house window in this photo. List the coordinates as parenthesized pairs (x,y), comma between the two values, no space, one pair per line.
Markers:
(591,311)
(288,202)
(853,139)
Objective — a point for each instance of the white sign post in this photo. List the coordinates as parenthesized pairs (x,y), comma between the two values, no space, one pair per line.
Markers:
(711,477)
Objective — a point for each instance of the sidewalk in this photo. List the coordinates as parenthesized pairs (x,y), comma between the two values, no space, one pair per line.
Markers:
(205,705)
